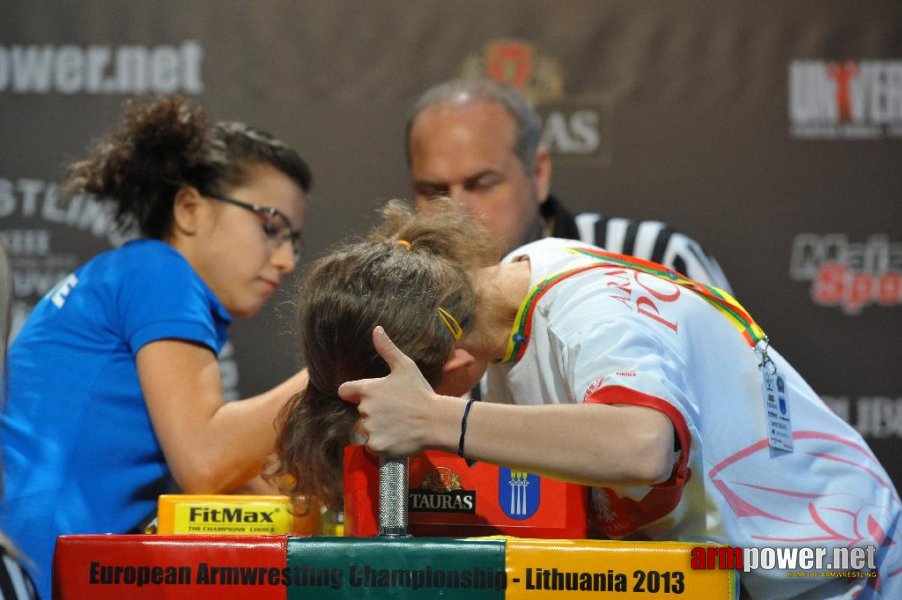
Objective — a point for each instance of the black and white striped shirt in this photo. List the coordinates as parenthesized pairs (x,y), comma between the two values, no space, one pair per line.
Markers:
(649,240)
(15,583)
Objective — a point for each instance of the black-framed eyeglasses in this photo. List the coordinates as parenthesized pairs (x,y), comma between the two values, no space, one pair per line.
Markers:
(276,225)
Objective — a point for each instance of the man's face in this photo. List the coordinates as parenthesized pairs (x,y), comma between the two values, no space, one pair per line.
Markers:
(467,153)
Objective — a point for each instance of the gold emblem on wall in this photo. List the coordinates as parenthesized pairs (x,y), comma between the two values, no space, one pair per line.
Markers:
(576,131)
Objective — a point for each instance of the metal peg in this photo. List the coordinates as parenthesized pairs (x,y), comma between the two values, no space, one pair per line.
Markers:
(393,493)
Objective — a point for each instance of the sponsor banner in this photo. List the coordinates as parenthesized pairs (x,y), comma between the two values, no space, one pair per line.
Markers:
(847,275)
(276,566)
(440,491)
(224,514)
(102,69)
(610,569)
(448,497)
(850,99)
(112,567)
(875,417)
(576,131)
(708,127)
(398,568)
(38,226)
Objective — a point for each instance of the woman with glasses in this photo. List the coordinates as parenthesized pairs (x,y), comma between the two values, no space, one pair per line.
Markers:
(114,389)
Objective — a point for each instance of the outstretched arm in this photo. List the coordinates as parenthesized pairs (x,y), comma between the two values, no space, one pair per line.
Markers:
(586,443)
(210,446)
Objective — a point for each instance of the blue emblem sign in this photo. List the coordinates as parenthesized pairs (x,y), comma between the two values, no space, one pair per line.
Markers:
(518,493)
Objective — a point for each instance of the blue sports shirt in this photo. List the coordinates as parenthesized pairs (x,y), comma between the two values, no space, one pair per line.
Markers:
(79,450)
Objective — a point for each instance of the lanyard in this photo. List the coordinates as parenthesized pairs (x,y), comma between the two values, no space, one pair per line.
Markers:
(716,297)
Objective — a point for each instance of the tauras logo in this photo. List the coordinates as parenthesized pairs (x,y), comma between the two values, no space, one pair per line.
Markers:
(458,501)
(845,99)
(228,515)
(573,129)
(101,69)
(441,491)
(848,275)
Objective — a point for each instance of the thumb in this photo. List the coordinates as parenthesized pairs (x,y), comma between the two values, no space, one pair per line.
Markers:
(350,391)
(387,349)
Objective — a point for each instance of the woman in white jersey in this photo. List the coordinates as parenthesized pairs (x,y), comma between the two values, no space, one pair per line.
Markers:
(659,393)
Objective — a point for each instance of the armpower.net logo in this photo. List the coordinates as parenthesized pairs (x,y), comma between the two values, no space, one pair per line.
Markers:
(99,69)
(844,562)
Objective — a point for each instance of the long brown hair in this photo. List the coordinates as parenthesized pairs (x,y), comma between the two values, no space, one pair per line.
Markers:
(379,281)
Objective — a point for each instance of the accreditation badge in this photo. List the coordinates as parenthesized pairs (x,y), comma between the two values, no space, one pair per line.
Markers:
(776,408)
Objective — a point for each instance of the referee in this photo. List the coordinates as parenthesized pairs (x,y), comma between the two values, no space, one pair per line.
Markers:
(479,142)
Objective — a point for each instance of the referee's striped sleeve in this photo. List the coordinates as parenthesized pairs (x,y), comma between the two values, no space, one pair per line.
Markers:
(655,241)
(15,584)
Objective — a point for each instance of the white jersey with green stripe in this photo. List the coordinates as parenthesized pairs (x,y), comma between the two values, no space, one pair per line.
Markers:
(597,331)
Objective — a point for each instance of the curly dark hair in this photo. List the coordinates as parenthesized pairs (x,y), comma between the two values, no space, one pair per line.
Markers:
(165,143)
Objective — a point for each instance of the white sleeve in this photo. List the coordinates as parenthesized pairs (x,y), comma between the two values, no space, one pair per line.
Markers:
(606,346)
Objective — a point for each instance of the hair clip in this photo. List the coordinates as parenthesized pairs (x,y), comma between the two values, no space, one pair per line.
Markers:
(404,244)
(451,323)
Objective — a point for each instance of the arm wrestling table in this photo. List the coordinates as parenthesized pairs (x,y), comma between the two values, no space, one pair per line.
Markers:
(383,561)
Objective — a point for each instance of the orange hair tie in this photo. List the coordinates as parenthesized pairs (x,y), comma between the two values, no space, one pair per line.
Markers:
(405,244)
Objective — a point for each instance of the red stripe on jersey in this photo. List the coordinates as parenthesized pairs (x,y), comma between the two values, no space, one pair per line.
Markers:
(626,515)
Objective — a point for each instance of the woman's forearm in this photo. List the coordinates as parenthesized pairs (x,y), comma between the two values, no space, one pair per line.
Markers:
(589,444)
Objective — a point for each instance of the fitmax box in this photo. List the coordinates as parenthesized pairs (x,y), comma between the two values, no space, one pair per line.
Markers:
(234,514)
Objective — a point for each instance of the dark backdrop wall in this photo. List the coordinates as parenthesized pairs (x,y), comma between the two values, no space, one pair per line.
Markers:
(770,131)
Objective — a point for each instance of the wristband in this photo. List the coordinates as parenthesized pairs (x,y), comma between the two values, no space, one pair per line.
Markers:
(463,432)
